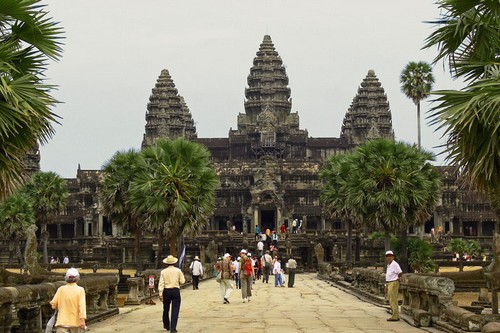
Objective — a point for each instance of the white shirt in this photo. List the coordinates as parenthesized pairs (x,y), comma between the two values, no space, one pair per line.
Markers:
(236,265)
(260,246)
(196,268)
(277,267)
(392,272)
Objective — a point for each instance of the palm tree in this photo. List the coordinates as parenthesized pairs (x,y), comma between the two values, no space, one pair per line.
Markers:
(416,83)
(176,191)
(48,192)
(28,39)
(114,193)
(16,214)
(387,185)
(334,195)
(468,36)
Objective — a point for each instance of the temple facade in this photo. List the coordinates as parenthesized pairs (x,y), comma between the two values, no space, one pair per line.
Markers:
(268,166)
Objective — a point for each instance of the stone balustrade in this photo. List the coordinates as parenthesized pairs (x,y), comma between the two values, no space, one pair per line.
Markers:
(425,298)
(369,280)
(26,308)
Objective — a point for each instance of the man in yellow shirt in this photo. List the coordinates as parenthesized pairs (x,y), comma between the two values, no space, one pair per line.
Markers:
(69,301)
(169,287)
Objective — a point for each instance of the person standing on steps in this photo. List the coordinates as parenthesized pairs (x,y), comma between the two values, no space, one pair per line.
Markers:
(392,275)
(169,289)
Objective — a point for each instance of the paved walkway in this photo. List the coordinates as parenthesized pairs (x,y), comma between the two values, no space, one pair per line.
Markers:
(312,306)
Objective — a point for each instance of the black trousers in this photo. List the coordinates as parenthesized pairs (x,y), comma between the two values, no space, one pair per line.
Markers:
(171,296)
(267,270)
(196,281)
(291,277)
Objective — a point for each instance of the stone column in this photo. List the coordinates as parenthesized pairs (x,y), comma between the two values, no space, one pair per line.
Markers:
(479,228)
(255,219)
(100,230)
(323,223)
(279,220)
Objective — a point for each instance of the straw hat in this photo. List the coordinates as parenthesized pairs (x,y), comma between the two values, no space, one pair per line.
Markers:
(196,258)
(170,260)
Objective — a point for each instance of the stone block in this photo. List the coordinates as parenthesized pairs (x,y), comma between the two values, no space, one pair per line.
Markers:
(421,318)
(493,327)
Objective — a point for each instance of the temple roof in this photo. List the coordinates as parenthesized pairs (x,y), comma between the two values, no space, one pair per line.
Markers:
(369,116)
(267,84)
(167,114)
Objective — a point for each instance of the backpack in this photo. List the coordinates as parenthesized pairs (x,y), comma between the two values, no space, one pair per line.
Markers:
(247,268)
(266,262)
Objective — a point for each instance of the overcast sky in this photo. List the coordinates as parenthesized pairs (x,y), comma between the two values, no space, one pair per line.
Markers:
(115,50)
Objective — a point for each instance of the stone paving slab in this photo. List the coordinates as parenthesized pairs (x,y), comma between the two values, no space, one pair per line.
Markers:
(311,306)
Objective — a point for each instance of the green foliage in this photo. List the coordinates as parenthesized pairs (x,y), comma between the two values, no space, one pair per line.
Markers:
(419,255)
(16,214)
(383,184)
(48,192)
(461,246)
(380,235)
(416,81)
(28,39)
(468,39)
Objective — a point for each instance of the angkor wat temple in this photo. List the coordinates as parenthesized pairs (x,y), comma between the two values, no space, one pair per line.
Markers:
(268,166)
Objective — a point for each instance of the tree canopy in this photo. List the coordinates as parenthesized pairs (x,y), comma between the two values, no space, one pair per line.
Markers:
(28,39)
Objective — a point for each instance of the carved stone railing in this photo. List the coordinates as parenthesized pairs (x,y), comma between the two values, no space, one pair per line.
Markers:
(26,308)
(425,298)
(369,280)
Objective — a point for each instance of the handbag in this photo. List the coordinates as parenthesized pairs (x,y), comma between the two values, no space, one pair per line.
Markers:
(219,277)
(50,324)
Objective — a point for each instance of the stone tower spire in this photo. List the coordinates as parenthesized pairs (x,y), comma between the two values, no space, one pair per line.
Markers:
(369,116)
(267,85)
(168,115)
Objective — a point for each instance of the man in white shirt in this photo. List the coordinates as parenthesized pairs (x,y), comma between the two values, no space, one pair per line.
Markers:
(260,248)
(267,262)
(236,265)
(196,271)
(392,275)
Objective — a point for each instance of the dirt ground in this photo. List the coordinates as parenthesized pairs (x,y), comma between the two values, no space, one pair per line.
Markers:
(463,298)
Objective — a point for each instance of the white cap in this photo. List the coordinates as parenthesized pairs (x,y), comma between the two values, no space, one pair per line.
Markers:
(227,255)
(243,251)
(249,254)
(239,258)
(72,273)
(389,253)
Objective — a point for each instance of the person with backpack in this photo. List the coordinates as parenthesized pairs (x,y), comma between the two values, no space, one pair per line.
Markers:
(246,275)
(266,264)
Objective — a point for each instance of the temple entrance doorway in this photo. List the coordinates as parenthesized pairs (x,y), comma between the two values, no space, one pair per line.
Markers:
(267,220)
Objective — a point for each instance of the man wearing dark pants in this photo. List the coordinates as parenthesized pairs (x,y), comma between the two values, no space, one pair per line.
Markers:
(169,289)
(267,262)
(291,266)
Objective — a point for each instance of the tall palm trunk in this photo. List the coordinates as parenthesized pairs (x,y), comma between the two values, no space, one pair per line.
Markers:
(138,256)
(172,244)
(45,237)
(159,256)
(357,246)
(19,253)
(418,125)
(348,255)
(387,238)
(404,249)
